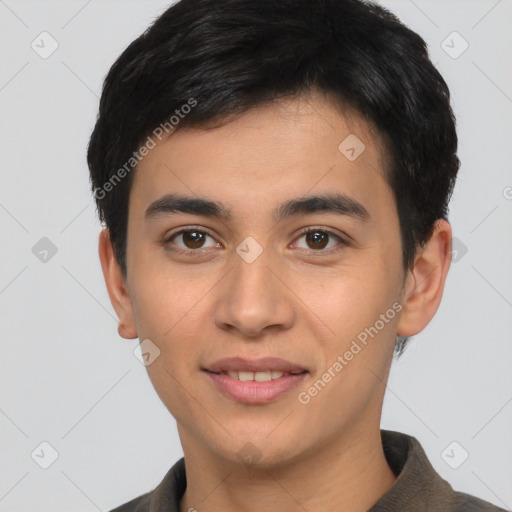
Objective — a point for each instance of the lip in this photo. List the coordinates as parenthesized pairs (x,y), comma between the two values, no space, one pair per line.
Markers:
(254,392)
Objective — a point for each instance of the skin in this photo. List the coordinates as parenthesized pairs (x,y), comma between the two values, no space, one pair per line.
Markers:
(294,301)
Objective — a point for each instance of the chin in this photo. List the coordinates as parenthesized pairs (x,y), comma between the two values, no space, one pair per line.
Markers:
(260,451)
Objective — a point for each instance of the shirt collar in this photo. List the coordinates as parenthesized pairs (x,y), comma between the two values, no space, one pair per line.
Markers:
(418,487)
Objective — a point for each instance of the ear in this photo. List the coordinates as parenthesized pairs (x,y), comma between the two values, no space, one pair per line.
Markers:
(116,286)
(424,283)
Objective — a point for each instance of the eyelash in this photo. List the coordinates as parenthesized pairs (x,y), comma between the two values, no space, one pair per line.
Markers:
(197,252)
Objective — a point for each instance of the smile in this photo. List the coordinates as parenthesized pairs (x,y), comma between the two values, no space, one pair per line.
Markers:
(257,381)
(264,376)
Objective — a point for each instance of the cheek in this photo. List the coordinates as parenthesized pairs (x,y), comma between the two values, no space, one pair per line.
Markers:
(164,299)
(352,298)
(173,389)
(170,318)
(363,314)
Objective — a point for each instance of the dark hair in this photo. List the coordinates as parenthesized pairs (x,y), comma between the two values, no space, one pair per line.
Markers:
(222,57)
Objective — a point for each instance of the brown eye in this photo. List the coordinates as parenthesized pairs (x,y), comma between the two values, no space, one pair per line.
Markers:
(193,239)
(319,239)
(190,240)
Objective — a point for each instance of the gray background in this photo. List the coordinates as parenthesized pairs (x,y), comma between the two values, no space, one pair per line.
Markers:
(67,378)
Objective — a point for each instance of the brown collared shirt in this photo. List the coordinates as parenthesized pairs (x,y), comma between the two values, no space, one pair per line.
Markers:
(418,488)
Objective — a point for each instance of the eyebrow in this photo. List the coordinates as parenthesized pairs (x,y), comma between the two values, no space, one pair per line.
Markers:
(325,203)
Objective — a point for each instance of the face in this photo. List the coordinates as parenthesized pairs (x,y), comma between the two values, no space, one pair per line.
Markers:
(263,250)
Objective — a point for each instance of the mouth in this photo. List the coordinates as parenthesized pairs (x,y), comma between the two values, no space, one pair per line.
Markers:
(259,376)
(254,381)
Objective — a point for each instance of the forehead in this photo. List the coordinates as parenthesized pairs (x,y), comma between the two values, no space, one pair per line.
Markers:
(267,155)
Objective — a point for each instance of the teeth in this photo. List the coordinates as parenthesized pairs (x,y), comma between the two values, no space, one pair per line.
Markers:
(262,376)
(244,376)
(257,376)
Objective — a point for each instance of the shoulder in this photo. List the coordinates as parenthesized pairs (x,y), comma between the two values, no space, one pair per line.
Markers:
(139,504)
(467,503)
(165,497)
(418,487)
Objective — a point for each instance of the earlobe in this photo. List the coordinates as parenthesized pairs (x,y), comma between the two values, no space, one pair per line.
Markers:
(116,287)
(425,281)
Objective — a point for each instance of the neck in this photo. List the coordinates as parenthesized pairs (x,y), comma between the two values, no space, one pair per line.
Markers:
(348,473)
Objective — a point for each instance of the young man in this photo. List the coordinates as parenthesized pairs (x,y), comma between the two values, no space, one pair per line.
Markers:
(274,179)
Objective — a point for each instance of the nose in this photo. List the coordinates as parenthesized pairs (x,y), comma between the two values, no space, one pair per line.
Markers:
(252,300)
